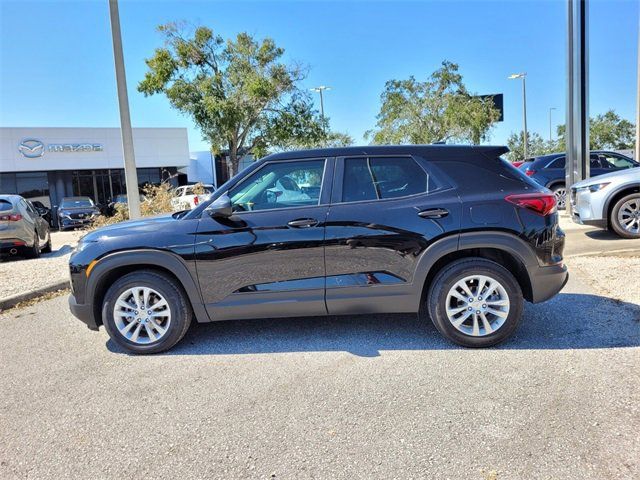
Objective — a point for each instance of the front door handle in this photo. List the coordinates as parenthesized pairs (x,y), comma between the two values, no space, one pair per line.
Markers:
(303,223)
(433,213)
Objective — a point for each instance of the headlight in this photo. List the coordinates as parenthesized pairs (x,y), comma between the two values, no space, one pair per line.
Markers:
(593,188)
(65,215)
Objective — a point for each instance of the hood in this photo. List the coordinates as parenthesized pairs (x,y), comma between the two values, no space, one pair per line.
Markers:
(628,173)
(148,225)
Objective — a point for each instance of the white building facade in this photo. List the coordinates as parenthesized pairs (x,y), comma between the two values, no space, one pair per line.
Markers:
(47,164)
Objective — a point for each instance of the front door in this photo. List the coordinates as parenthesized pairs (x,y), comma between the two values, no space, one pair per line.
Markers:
(267,260)
(385,211)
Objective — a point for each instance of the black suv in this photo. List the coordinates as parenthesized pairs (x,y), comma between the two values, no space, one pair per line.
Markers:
(453,233)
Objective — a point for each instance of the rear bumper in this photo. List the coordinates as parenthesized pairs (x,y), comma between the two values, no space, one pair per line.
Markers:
(546,282)
(83,312)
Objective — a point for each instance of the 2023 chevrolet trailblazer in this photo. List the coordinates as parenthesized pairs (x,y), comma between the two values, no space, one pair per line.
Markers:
(453,233)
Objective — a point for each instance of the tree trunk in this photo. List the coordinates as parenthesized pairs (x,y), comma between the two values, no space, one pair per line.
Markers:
(233,158)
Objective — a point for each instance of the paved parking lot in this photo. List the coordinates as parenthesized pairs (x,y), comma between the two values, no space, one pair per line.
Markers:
(351,397)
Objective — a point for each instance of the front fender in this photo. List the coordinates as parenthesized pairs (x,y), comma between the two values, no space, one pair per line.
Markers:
(160,259)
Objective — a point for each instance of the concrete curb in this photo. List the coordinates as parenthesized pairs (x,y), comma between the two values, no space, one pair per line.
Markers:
(13,300)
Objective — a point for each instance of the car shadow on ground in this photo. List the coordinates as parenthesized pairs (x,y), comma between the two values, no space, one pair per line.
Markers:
(606,235)
(566,322)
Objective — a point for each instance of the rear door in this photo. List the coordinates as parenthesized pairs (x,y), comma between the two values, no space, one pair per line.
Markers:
(385,211)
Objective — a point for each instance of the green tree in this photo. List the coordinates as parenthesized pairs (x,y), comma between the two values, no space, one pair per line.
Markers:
(606,131)
(437,110)
(238,92)
(536,146)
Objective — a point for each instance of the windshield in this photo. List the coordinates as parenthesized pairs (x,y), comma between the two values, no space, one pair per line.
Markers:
(84,202)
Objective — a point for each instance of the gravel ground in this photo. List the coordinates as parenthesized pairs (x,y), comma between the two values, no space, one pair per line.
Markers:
(350,397)
(616,277)
(29,274)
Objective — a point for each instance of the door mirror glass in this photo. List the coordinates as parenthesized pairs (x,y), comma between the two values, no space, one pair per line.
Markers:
(220,208)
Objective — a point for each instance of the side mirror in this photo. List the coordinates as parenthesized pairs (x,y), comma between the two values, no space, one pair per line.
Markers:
(221,207)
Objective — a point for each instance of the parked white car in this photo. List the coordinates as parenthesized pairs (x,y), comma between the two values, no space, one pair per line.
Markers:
(186,198)
(609,201)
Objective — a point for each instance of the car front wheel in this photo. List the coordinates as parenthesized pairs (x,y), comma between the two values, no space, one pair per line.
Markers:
(146,312)
(625,216)
(475,302)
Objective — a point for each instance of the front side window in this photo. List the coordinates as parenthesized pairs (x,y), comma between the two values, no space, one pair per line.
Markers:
(615,161)
(383,177)
(279,185)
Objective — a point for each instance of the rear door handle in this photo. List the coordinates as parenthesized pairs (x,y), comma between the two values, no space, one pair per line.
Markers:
(303,223)
(433,213)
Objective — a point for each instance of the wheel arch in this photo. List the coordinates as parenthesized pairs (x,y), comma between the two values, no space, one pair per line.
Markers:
(503,248)
(614,197)
(115,265)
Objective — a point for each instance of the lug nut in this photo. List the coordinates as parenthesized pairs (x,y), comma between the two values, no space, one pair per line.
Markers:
(484,305)
(470,308)
(478,312)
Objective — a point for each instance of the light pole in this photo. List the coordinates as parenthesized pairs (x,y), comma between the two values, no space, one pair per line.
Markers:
(550,130)
(524,108)
(130,173)
(319,90)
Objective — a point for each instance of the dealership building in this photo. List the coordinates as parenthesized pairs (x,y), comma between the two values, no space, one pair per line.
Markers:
(47,164)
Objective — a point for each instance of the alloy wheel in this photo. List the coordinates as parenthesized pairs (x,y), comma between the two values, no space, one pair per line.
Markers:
(477,305)
(142,315)
(561,197)
(629,215)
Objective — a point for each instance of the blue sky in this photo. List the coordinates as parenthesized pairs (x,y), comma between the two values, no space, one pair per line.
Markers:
(56,59)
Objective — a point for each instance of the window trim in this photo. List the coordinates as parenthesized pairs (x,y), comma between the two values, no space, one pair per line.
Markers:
(325,172)
(338,181)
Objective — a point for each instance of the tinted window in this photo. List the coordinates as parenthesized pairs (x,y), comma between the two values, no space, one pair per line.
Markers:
(594,161)
(380,178)
(279,185)
(557,163)
(5,206)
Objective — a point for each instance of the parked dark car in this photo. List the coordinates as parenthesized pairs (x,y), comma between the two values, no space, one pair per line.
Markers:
(453,233)
(549,170)
(22,230)
(76,212)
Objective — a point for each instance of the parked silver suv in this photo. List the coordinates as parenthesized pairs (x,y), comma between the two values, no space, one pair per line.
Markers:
(609,201)
(22,229)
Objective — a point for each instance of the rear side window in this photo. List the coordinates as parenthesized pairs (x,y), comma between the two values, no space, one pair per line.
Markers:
(383,177)
(557,163)
(5,206)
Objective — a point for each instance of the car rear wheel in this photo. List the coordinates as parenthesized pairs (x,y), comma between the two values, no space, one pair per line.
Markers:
(47,246)
(34,251)
(560,192)
(146,312)
(475,302)
(625,216)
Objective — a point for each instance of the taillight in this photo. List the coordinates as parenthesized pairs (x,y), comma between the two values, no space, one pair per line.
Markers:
(196,200)
(540,203)
(530,173)
(11,218)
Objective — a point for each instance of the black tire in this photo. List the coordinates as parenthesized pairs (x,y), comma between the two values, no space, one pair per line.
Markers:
(615,223)
(560,191)
(180,308)
(34,251)
(47,247)
(436,301)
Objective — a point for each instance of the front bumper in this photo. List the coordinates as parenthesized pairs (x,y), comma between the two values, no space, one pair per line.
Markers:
(587,208)
(74,222)
(83,312)
(546,282)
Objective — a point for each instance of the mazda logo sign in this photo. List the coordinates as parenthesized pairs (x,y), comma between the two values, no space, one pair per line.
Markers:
(31,148)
